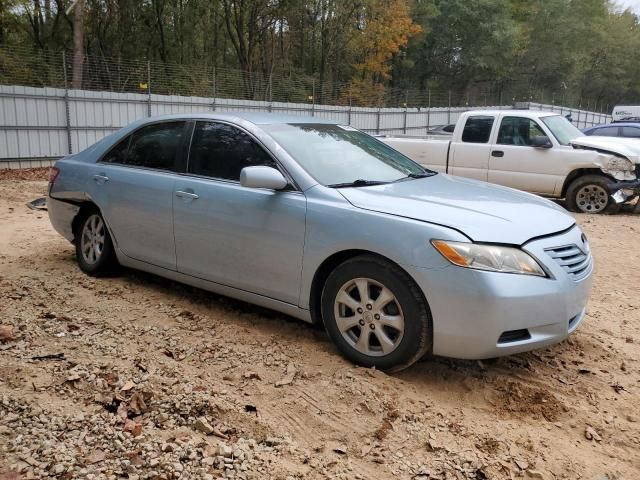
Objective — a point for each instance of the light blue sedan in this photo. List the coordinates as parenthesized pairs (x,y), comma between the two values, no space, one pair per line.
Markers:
(325,223)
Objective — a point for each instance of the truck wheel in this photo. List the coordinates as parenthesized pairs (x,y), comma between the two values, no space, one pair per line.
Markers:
(589,194)
(376,314)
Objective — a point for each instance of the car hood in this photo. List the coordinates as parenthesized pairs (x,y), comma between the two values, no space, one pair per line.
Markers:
(482,211)
(626,147)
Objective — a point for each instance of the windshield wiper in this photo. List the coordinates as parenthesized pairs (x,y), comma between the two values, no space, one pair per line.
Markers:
(357,183)
(410,176)
(426,174)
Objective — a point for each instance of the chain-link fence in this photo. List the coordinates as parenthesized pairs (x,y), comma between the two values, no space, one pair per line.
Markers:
(43,116)
(38,68)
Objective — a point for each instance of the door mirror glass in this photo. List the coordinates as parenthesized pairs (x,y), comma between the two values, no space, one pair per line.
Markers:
(262,177)
(541,141)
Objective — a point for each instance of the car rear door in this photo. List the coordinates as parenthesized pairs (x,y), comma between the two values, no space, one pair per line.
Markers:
(247,238)
(469,155)
(515,163)
(133,186)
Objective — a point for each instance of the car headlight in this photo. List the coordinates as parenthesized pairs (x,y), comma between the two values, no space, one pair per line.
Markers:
(493,258)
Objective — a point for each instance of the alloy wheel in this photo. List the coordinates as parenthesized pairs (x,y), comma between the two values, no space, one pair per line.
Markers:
(92,239)
(369,317)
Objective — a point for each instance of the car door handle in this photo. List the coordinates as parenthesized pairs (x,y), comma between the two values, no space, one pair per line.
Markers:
(497,153)
(100,178)
(183,194)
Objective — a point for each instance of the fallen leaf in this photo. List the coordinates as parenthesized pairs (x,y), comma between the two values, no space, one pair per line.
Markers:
(138,404)
(127,386)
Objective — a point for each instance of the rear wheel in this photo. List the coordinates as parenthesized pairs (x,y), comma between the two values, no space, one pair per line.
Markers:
(375,314)
(589,194)
(94,248)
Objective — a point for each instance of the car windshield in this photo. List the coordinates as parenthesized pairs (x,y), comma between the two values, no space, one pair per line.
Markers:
(562,129)
(338,155)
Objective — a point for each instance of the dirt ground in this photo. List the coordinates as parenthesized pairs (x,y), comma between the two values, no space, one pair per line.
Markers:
(147,378)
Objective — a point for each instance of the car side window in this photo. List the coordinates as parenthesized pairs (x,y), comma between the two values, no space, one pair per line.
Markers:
(156,146)
(518,131)
(221,151)
(633,132)
(605,132)
(477,129)
(118,154)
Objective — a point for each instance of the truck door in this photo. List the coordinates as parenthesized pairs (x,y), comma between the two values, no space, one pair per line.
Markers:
(515,163)
(469,156)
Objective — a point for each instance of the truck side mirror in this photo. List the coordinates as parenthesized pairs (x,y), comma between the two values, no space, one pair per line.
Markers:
(541,141)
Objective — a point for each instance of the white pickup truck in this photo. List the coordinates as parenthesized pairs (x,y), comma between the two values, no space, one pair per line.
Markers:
(540,152)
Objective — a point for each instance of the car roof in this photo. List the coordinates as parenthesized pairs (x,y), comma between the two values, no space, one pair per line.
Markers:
(257,118)
(616,124)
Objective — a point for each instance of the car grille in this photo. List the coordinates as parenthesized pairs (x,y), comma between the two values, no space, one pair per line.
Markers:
(574,261)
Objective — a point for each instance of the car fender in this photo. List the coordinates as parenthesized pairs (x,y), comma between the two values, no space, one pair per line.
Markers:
(333,225)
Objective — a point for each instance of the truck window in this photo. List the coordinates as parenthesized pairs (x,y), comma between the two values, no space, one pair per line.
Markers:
(518,131)
(477,129)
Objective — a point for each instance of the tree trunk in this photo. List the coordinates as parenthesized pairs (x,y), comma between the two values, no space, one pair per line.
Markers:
(78,45)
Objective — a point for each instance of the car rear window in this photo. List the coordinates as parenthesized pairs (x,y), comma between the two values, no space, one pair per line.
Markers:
(152,146)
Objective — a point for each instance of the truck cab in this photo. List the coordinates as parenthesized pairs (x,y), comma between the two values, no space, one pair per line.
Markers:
(520,149)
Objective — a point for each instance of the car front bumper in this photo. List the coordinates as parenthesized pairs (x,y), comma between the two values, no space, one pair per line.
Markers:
(478,314)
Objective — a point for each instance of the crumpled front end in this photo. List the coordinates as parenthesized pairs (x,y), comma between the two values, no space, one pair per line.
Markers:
(626,190)
(620,160)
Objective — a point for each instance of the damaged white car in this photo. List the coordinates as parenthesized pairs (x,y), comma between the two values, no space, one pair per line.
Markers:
(539,152)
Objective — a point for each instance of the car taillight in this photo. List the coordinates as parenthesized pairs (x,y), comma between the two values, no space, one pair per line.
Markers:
(53,174)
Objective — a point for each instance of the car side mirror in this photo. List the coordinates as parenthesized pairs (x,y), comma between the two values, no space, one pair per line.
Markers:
(262,177)
(541,141)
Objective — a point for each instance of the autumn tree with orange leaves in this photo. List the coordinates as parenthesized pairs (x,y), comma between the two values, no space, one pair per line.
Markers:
(384,28)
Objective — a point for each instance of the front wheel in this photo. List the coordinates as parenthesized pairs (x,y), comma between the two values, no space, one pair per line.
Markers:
(376,314)
(94,248)
(589,194)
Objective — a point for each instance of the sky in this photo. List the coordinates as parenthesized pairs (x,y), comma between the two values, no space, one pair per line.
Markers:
(632,4)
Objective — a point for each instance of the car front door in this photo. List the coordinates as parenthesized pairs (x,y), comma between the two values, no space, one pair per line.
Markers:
(515,163)
(247,238)
(470,155)
(133,186)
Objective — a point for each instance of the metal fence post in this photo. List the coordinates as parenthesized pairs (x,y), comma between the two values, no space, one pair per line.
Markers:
(449,110)
(270,92)
(148,88)
(313,97)
(378,121)
(429,111)
(67,110)
(349,112)
(213,104)
(406,100)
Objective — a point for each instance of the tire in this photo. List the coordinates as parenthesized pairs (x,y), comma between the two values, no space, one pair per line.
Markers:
(590,194)
(94,248)
(403,325)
